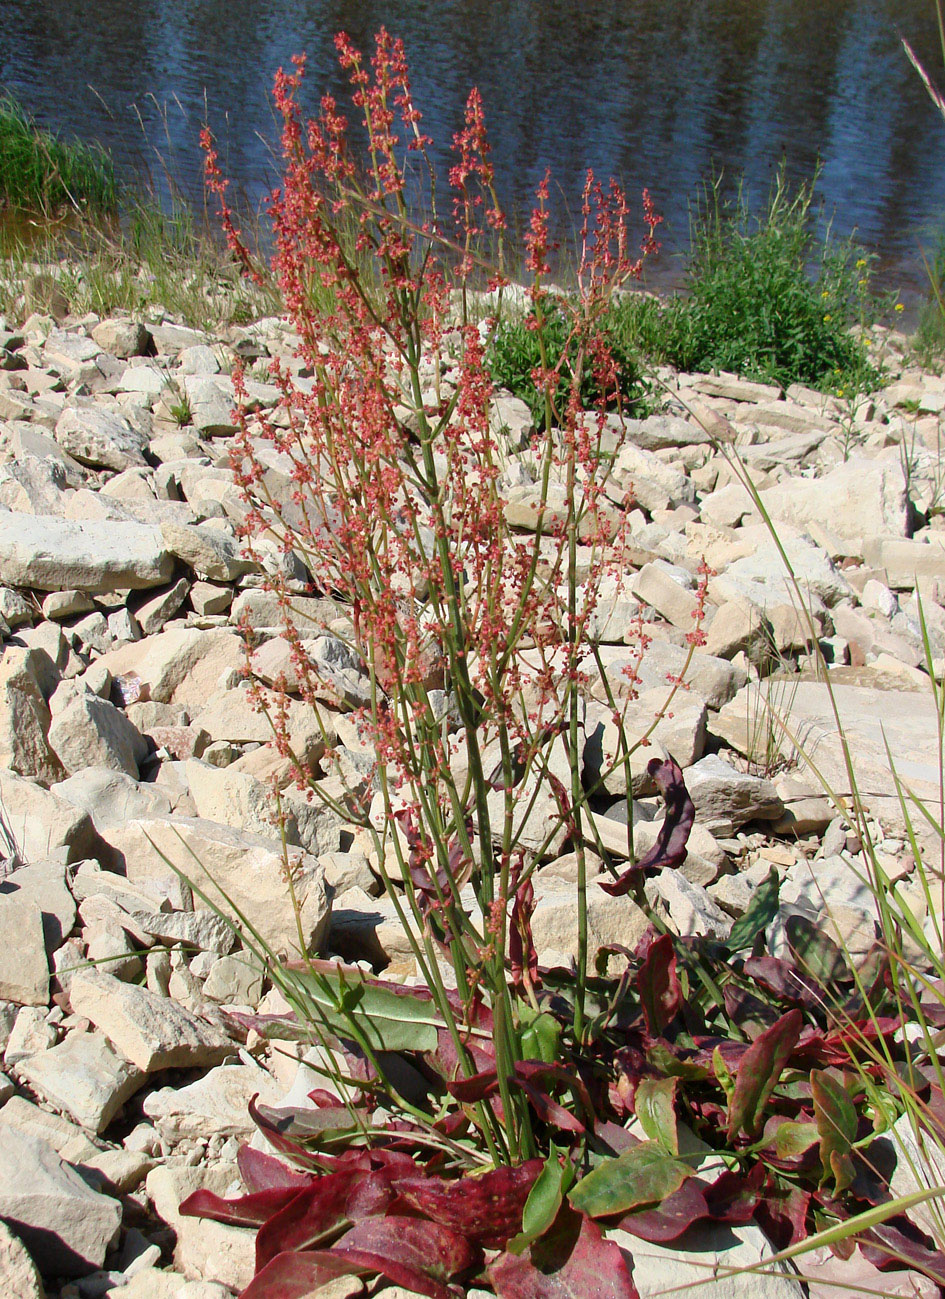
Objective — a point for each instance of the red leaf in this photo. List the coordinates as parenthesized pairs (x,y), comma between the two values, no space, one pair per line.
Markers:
(671,1217)
(670,846)
(327,1206)
(782,1215)
(418,1255)
(572,1261)
(487,1209)
(758,1072)
(658,986)
(296,1276)
(247,1211)
(262,1172)
(732,1198)
(897,1241)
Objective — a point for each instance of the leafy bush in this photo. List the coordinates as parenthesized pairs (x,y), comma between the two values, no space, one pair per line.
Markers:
(767,298)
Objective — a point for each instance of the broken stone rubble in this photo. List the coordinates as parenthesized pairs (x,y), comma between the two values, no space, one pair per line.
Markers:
(129,744)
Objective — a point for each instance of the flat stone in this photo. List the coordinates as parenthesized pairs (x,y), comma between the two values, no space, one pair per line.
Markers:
(84,1076)
(700,1268)
(91,732)
(183,664)
(658,588)
(856,499)
(236,980)
(122,337)
(151,1031)
(248,868)
(199,929)
(725,798)
(101,438)
(41,822)
(43,883)
(205,1250)
(216,1103)
(682,732)
(211,552)
(19,1276)
(56,554)
(24,969)
(903,560)
(66,1226)
(25,718)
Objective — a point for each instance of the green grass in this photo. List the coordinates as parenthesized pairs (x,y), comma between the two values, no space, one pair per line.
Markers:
(39,172)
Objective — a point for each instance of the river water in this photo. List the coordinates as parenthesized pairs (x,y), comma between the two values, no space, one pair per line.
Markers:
(654,92)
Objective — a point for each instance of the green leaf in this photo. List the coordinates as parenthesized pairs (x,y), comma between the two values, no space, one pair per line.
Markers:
(816,953)
(758,1072)
(761,911)
(541,1036)
(544,1201)
(835,1118)
(644,1174)
(661,1058)
(655,1106)
(387,1020)
(723,1074)
(792,1139)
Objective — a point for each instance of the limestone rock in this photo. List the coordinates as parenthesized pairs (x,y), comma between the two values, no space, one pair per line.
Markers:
(858,498)
(246,867)
(182,665)
(726,799)
(41,822)
(84,1076)
(121,337)
(66,1226)
(55,554)
(24,969)
(211,552)
(216,1103)
(100,438)
(19,1276)
(24,720)
(707,1255)
(91,732)
(151,1031)
(205,1249)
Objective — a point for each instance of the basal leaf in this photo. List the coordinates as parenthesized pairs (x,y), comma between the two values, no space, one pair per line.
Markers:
(487,1209)
(758,1072)
(835,1117)
(793,1139)
(420,1256)
(297,1276)
(761,910)
(658,986)
(655,1107)
(388,1020)
(573,1261)
(544,1201)
(245,1211)
(319,1212)
(815,952)
(262,1172)
(668,1220)
(645,1174)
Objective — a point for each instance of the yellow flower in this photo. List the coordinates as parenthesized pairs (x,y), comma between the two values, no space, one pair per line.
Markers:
(861,262)
(828,318)
(839,392)
(861,284)
(825,294)
(900,307)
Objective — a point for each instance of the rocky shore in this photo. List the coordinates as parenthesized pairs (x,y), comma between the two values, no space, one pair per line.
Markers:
(128,740)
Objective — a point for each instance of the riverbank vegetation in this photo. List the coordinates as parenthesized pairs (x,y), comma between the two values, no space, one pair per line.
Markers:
(39,172)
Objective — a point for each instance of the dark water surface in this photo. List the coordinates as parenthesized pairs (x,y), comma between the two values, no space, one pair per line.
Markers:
(655,92)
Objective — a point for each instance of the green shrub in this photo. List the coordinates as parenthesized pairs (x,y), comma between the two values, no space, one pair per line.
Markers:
(40,172)
(767,297)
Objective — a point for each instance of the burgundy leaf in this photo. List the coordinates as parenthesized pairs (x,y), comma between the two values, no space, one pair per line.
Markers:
(897,1241)
(246,1211)
(262,1172)
(487,1209)
(418,1255)
(572,1261)
(733,1197)
(283,1129)
(758,1072)
(785,981)
(523,955)
(330,1204)
(322,1099)
(671,1217)
(750,1013)
(782,1215)
(658,986)
(297,1276)
(547,1109)
(670,846)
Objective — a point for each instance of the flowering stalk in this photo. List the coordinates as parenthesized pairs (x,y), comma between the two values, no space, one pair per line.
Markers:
(383,475)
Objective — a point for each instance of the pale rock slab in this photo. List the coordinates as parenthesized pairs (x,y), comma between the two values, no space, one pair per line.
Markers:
(203,930)
(725,799)
(91,732)
(151,1031)
(682,732)
(216,1103)
(24,968)
(244,866)
(31,1034)
(24,719)
(66,1226)
(56,554)
(709,1253)
(858,498)
(233,715)
(212,553)
(903,560)
(43,883)
(42,823)
(85,1077)
(121,337)
(689,908)
(205,1250)
(236,980)
(656,586)
(100,438)
(554,921)
(19,1276)
(181,665)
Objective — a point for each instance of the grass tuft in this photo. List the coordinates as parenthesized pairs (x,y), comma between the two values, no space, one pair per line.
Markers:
(41,173)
